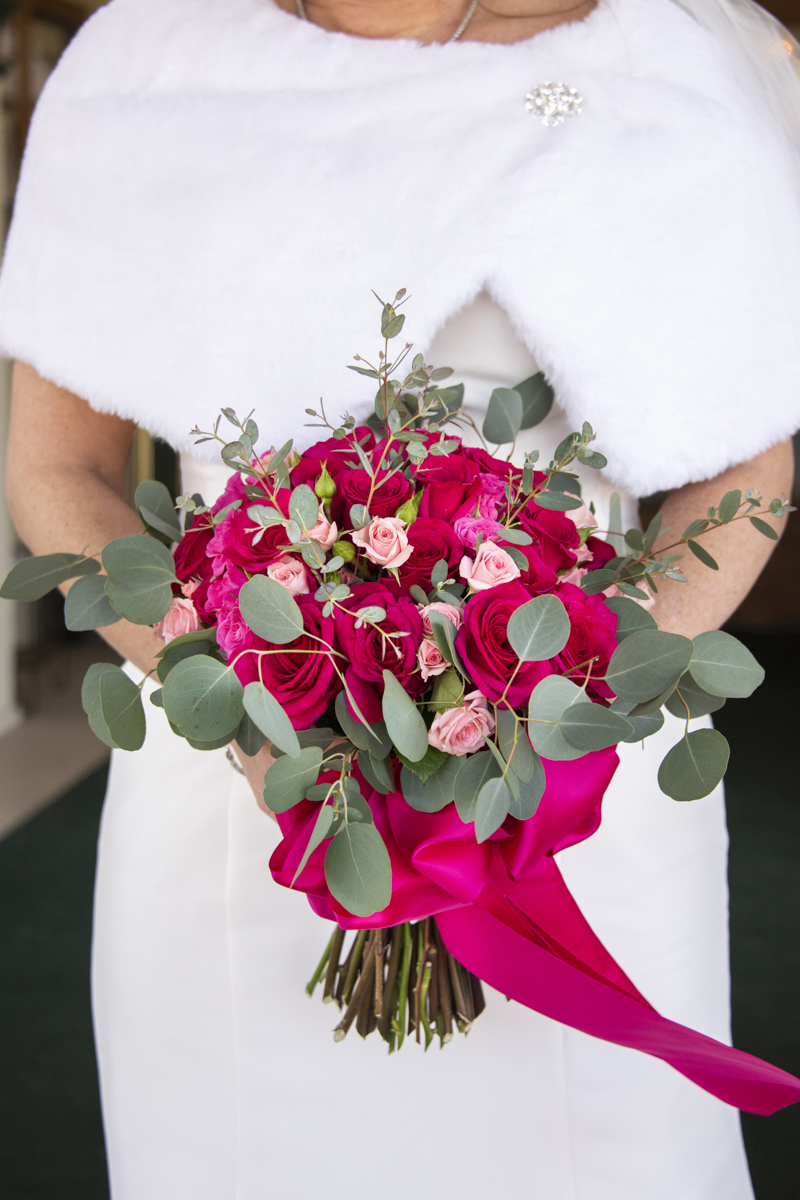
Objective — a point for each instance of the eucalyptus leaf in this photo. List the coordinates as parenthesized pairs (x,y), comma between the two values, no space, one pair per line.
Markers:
(269,610)
(537,400)
(87,606)
(358,870)
(631,617)
(696,766)
(154,505)
(288,779)
(321,830)
(113,704)
(35,577)
(435,793)
(764,528)
(141,572)
(699,702)
(190,639)
(503,416)
(646,663)
(517,537)
(203,698)
(269,716)
(557,501)
(729,506)
(172,655)
(304,506)
(216,744)
(249,737)
(539,629)
(403,719)
(722,666)
(649,707)
(444,634)
(644,726)
(529,792)
(700,552)
(377,772)
(475,772)
(356,804)
(492,808)
(589,726)
(373,738)
(515,746)
(551,698)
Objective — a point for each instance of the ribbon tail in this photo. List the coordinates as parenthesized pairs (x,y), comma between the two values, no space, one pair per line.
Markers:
(532,975)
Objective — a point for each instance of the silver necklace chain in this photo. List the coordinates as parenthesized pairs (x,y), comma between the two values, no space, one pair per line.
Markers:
(459,33)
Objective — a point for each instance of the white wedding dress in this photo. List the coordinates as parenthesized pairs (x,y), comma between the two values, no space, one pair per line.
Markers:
(220,1078)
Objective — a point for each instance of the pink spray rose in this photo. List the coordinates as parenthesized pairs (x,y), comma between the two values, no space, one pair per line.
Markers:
(492,566)
(430,659)
(453,614)
(467,529)
(583,517)
(385,542)
(325,532)
(464,729)
(290,573)
(181,618)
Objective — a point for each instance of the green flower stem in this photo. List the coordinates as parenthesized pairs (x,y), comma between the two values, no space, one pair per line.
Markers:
(333,966)
(404,980)
(354,962)
(445,997)
(390,988)
(315,978)
(379,948)
(423,996)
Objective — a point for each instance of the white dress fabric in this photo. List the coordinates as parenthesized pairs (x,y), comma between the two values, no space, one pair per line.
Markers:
(221,1080)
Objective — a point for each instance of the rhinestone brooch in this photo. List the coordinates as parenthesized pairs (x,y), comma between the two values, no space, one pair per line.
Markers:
(552,103)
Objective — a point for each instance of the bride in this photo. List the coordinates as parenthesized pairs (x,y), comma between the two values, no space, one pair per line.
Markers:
(211,189)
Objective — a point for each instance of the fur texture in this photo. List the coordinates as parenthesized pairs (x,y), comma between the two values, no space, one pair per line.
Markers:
(212,188)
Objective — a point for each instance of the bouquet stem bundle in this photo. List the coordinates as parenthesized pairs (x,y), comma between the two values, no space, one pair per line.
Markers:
(400,981)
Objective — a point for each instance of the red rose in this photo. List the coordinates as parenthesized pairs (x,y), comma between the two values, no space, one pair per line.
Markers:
(305,684)
(482,641)
(554,535)
(451,487)
(366,649)
(593,636)
(233,545)
(537,576)
(601,552)
(191,560)
(432,540)
(353,487)
(334,453)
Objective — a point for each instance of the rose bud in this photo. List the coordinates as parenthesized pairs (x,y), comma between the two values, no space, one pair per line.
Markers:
(430,658)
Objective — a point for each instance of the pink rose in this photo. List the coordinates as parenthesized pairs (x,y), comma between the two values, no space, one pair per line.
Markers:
(492,497)
(583,517)
(325,532)
(290,573)
(492,566)
(453,614)
(467,529)
(430,659)
(574,576)
(385,542)
(189,589)
(583,554)
(181,618)
(464,729)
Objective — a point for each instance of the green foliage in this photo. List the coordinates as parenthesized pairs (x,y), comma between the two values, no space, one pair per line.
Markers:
(475,772)
(702,554)
(288,779)
(492,808)
(724,667)
(694,767)
(764,528)
(537,400)
(435,792)
(304,506)
(631,617)
(551,698)
(558,501)
(87,606)
(448,690)
(377,772)
(539,629)
(35,577)
(590,726)
(141,572)
(113,704)
(515,746)
(689,694)
(322,828)
(249,737)
(403,720)
(503,416)
(269,716)
(646,663)
(358,870)
(159,515)
(372,738)
(203,698)
(172,654)
(644,726)
(269,610)
(432,761)
(444,635)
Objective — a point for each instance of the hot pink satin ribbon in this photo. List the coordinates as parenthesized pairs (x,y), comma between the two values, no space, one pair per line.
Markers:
(506,914)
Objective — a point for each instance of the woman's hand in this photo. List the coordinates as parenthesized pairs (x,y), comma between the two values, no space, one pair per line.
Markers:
(710,597)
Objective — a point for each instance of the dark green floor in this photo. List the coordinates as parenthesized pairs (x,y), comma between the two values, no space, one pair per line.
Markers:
(51,1145)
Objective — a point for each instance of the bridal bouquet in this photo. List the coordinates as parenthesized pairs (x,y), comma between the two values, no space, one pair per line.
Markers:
(443,651)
